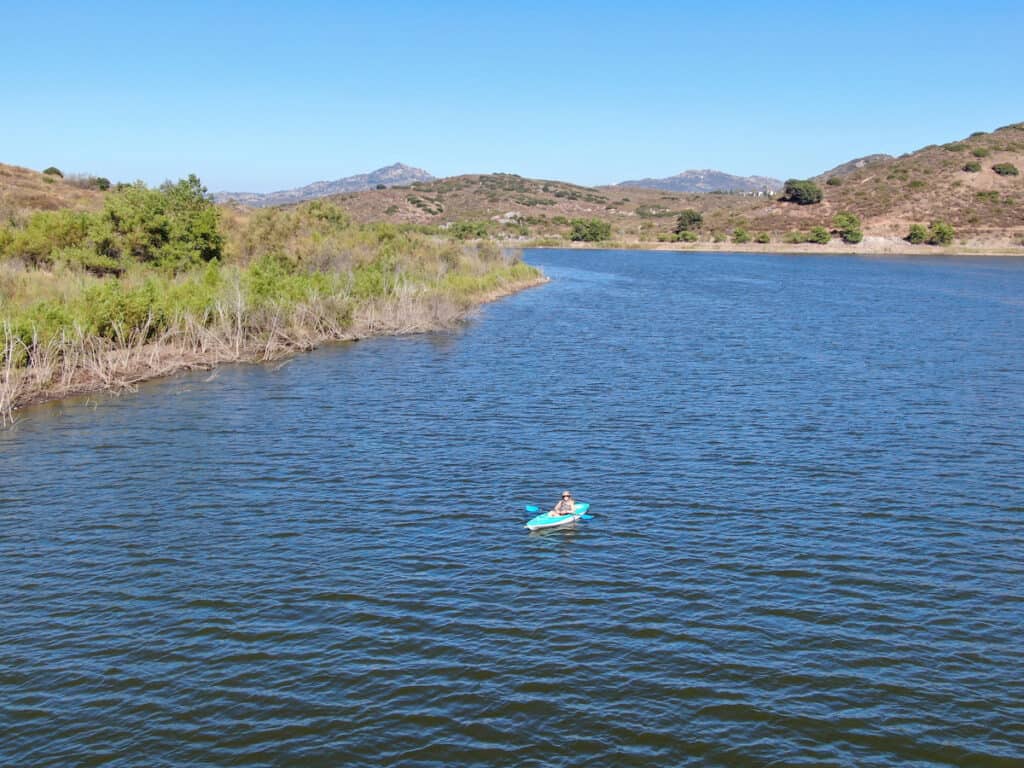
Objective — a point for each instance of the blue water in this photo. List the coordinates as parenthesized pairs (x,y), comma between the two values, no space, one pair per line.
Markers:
(807,476)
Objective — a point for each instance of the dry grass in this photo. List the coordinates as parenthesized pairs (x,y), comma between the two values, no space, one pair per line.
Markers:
(234,331)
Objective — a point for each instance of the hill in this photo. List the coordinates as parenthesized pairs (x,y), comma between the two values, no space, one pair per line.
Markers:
(887,193)
(955,183)
(23,191)
(708,181)
(388,176)
(852,166)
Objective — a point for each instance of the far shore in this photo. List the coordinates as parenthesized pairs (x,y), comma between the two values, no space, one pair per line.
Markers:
(872,246)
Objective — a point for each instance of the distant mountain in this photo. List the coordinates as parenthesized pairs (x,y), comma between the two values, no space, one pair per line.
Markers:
(855,165)
(392,176)
(707,181)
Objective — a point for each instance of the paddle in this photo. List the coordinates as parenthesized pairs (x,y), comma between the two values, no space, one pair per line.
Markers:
(534,510)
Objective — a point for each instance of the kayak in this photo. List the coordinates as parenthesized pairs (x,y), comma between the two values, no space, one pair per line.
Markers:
(545,520)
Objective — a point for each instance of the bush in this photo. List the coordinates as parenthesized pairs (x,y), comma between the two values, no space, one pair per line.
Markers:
(917,235)
(590,230)
(956,146)
(794,237)
(469,230)
(819,235)
(940,233)
(740,235)
(1006,169)
(834,181)
(972,167)
(763,237)
(980,152)
(916,184)
(847,226)
(802,192)
(53,171)
(686,236)
(688,220)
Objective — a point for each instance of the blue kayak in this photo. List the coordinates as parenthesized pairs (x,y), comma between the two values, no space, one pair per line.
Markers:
(547,520)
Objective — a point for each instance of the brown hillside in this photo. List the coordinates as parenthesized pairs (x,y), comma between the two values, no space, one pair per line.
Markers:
(888,194)
(23,191)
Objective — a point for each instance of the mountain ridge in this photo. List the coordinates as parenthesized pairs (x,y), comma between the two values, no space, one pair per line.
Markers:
(706,180)
(396,174)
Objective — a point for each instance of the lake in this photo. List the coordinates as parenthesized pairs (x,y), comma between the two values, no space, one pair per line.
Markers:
(807,476)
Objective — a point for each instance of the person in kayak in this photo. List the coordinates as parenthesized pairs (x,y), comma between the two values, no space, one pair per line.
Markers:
(565,507)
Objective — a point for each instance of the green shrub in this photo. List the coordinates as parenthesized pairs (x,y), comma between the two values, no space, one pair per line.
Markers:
(956,146)
(469,230)
(53,171)
(1006,169)
(590,230)
(740,235)
(688,220)
(763,237)
(917,184)
(686,236)
(794,237)
(819,235)
(917,235)
(940,233)
(847,226)
(718,237)
(102,183)
(86,258)
(802,192)
(834,181)
(972,167)
(980,152)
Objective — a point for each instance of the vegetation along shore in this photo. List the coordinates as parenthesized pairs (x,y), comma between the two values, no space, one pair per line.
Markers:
(103,287)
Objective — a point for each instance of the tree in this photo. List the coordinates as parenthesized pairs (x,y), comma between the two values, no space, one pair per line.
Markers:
(847,226)
(688,221)
(53,171)
(940,233)
(917,235)
(802,192)
(590,230)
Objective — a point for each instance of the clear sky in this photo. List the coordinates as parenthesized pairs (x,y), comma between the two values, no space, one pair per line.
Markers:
(257,96)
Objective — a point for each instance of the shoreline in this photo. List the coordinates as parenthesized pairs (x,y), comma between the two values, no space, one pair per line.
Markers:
(796,249)
(123,369)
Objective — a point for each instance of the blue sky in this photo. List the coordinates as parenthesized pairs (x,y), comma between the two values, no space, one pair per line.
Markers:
(258,96)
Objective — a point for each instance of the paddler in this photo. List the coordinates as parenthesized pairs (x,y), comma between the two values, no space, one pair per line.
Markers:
(565,507)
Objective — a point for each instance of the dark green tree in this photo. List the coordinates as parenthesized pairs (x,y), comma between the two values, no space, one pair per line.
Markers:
(688,220)
(53,171)
(802,192)
(590,230)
